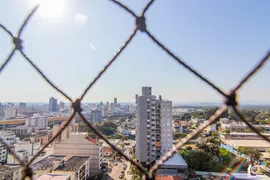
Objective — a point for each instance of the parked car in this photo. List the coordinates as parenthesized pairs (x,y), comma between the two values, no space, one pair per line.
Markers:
(115,163)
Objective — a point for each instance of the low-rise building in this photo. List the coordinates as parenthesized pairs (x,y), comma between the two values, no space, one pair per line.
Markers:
(232,145)
(76,166)
(8,137)
(242,136)
(173,166)
(67,167)
(30,146)
(46,165)
(3,153)
(8,172)
(237,126)
(37,122)
(80,144)
(54,177)
(21,154)
(22,130)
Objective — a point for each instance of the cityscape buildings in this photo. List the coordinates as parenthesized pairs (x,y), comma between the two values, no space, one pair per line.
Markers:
(115,102)
(10,112)
(154,126)
(22,105)
(53,105)
(96,116)
(37,121)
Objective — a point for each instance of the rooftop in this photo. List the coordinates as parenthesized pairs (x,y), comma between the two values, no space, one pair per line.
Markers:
(73,164)
(107,150)
(53,177)
(248,143)
(8,168)
(169,178)
(248,133)
(175,160)
(47,162)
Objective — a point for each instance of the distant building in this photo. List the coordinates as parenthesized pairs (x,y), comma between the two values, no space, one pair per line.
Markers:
(21,130)
(115,102)
(154,135)
(79,144)
(22,105)
(37,121)
(53,105)
(61,105)
(96,116)
(10,113)
(2,111)
(111,107)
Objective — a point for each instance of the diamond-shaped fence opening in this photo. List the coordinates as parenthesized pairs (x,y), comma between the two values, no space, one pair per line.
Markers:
(140,24)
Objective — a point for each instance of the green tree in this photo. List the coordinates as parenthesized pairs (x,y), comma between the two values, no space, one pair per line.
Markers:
(215,166)
(252,153)
(117,136)
(225,156)
(197,160)
(178,135)
(211,146)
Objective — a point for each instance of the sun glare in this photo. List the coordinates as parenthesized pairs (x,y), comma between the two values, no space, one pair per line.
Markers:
(50,8)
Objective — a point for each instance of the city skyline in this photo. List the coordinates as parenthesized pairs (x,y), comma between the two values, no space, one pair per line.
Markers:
(222,40)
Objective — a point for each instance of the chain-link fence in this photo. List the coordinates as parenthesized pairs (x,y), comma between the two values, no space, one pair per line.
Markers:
(230,97)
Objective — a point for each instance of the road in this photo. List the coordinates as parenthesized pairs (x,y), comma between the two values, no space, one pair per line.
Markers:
(114,172)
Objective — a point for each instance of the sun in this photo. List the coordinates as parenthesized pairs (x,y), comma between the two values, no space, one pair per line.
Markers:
(50,8)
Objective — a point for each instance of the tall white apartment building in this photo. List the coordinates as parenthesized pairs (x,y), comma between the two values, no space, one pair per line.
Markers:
(154,126)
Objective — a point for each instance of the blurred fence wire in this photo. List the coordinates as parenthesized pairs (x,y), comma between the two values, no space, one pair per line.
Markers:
(230,97)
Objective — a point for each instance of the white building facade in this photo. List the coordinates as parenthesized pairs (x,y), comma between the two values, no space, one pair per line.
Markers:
(3,153)
(37,121)
(79,144)
(154,126)
(10,113)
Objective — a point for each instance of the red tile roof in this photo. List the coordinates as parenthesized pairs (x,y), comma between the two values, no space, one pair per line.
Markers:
(168,178)
(91,140)
(107,150)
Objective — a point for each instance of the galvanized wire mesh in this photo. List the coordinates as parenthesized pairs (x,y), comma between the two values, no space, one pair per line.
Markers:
(230,97)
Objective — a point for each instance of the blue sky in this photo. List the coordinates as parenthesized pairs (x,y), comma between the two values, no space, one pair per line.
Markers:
(221,39)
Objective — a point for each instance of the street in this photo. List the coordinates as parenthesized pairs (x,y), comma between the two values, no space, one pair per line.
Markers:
(114,171)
